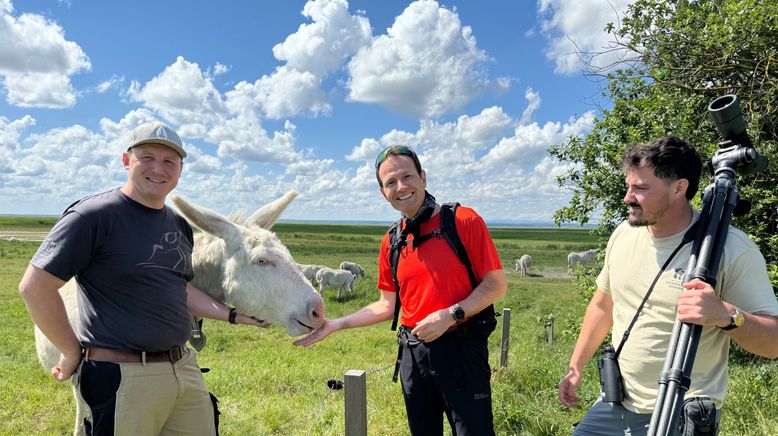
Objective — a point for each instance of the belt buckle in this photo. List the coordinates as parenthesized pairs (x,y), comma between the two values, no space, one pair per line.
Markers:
(175,354)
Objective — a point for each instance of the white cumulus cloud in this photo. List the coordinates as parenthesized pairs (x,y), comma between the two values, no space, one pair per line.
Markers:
(182,93)
(284,93)
(576,32)
(311,55)
(243,138)
(321,46)
(426,65)
(37,61)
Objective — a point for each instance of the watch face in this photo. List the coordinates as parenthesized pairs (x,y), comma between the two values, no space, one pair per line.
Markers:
(459,313)
(738,319)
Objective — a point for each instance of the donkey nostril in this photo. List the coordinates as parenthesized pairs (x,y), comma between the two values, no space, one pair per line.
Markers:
(317,309)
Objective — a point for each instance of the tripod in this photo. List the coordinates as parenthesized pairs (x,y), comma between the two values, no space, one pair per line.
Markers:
(720,201)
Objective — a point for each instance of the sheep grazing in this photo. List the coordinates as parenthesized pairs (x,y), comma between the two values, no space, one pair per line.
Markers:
(339,279)
(523,264)
(309,271)
(583,258)
(353,267)
(13,240)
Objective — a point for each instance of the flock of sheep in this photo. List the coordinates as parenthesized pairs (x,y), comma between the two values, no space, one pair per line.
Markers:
(583,258)
(328,278)
(343,278)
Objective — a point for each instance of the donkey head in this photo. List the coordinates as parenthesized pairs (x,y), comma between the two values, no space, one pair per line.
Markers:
(243,264)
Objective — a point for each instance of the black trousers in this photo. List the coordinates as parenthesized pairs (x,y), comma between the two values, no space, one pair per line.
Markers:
(450,376)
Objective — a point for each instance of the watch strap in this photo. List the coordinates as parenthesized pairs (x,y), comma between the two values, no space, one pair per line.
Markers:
(735,321)
(458,313)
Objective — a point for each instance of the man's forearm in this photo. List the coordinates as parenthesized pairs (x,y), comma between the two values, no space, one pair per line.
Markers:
(596,324)
(758,335)
(492,288)
(371,314)
(203,305)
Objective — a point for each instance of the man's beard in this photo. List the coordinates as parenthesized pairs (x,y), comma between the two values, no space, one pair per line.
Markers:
(637,220)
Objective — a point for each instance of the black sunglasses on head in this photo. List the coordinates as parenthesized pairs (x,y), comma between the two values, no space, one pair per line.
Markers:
(394,150)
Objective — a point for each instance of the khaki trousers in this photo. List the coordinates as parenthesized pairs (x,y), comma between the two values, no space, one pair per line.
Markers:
(134,399)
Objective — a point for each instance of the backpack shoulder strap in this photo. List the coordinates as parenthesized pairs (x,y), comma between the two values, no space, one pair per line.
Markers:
(448,228)
(396,241)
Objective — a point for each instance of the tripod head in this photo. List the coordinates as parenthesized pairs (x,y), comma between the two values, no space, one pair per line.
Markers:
(736,151)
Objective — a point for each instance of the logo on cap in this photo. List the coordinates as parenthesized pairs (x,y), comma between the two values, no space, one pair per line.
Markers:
(162,133)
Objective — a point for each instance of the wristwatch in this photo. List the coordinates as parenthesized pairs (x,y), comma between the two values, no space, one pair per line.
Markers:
(736,321)
(458,313)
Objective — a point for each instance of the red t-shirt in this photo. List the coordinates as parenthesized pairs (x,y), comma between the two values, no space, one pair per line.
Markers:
(431,276)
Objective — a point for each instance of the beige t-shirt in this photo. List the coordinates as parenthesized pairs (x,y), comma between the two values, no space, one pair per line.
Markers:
(632,260)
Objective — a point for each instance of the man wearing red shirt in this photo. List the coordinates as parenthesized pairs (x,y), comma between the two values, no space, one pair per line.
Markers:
(445,322)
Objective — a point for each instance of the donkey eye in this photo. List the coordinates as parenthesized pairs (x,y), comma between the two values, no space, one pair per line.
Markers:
(262,261)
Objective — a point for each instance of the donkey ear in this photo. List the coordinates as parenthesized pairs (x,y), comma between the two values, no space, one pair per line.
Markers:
(267,215)
(206,219)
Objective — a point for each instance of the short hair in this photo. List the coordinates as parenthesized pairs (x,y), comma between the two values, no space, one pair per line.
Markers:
(672,158)
(396,150)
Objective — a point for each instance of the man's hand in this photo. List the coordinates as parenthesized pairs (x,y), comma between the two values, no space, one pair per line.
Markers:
(433,326)
(568,387)
(699,304)
(66,366)
(329,326)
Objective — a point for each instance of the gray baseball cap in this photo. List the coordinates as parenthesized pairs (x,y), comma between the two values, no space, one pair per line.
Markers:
(157,132)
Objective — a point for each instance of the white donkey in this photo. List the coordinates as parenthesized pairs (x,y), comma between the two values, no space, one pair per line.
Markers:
(238,262)
(523,264)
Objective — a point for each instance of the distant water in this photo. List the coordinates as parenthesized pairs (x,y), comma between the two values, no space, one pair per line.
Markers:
(498,223)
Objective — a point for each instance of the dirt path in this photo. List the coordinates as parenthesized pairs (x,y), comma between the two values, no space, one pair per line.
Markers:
(548,272)
(23,235)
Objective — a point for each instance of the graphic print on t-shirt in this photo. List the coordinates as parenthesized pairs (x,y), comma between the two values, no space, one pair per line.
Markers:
(170,253)
(676,280)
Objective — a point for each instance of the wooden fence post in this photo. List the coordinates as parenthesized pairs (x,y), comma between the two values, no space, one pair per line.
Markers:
(356,402)
(506,336)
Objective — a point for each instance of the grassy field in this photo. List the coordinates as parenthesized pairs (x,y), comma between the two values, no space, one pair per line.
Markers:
(266,386)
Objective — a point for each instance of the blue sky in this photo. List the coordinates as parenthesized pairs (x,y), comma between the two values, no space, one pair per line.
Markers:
(278,95)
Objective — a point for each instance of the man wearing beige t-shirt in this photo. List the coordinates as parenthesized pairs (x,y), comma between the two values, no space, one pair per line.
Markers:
(661,178)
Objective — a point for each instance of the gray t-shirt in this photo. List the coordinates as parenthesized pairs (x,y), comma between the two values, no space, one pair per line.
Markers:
(131,263)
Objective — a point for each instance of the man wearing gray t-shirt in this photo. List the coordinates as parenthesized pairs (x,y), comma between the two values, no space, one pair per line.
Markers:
(131,257)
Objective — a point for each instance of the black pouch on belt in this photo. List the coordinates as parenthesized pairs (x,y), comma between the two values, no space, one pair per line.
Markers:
(698,417)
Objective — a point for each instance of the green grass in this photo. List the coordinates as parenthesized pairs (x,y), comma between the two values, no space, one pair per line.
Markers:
(27,222)
(266,386)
